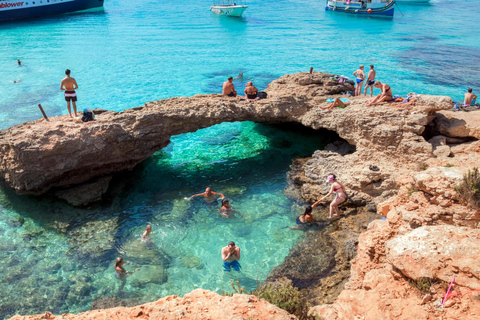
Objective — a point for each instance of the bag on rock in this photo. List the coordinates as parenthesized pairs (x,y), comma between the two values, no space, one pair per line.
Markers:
(88,115)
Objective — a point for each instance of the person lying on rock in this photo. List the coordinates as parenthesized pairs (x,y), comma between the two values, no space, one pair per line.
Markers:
(337,103)
(121,273)
(339,189)
(306,219)
(209,195)
(386,94)
(230,257)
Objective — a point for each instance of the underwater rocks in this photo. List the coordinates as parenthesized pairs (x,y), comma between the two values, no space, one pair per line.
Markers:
(198,304)
(85,193)
(38,156)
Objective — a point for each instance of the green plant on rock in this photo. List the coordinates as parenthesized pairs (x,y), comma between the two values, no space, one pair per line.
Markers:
(422,284)
(449,165)
(285,296)
(411,191)
(469,189)
(423,166)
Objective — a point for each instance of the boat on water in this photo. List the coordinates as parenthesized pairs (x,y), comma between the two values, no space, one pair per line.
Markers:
(225,8)
(362,7)
(23,9)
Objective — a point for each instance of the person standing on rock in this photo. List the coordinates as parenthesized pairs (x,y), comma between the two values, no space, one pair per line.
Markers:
(339,189)
(69,84)
(209,195)
(121,273)
(370,80)
(360,75)
(229,88)
(230,257)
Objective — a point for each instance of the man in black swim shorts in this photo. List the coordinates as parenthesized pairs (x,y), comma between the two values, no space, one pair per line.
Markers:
(370,80)
(69,84)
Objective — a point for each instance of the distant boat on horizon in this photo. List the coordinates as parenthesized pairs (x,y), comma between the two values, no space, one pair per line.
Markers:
(24,9)
(233,10)
(363,7)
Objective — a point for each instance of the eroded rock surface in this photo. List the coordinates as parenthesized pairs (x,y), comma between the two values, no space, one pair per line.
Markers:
(197,305)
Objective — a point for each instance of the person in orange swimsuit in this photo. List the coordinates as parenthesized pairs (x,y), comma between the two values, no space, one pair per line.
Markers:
(339,189)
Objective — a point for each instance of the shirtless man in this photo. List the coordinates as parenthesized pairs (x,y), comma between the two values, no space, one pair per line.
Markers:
(230,257)
(469,98)
(386,94)
(251,92)
(370,80)
(209,195)
(69,85)
(229,88)
(360,75)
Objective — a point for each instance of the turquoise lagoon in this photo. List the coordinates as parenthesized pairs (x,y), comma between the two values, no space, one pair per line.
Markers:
(59,258)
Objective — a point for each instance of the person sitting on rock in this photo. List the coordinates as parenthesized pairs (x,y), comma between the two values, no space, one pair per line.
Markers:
(306,219)
(121,273)
(251,92)
(469,98)
(209,195)
(341,195)
(337,103)
(386,94)
(229,88)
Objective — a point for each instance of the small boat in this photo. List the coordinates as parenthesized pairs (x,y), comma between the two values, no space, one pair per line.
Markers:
(23,9)
(226,9)
(362,7)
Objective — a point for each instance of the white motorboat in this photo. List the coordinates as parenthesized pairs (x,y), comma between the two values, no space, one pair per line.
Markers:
(227,9)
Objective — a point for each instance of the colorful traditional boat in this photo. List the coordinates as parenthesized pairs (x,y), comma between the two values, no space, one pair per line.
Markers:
(227,9)
(413,1)
(22,9)
(362,7)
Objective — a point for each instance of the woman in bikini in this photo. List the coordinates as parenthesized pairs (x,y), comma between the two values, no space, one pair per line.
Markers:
(306,219)
(121,273)
(339,189)
(386,94)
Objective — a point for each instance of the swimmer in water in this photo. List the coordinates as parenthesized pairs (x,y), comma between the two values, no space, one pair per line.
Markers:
(209,195)
(121,273)
(230,257)
(146,233)
(226,208)
(306,219)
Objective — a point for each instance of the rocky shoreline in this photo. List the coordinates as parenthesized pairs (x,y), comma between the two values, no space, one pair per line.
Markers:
(422,151)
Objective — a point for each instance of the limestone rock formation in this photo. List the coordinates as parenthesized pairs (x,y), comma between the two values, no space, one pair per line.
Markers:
(37,156)
(197,305)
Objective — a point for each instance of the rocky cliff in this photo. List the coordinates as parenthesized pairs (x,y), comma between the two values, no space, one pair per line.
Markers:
(403,264)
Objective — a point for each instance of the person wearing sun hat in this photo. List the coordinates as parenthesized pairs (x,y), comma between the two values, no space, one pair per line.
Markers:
(339,189)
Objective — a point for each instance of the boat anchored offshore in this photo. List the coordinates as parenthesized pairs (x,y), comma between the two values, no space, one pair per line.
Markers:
(363,7)
(23,9)
(226,9)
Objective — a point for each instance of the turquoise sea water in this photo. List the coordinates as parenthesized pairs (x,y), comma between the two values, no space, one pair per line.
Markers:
(59,258)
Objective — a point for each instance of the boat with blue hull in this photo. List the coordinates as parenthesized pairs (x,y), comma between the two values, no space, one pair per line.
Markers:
(23,9)
(363,7)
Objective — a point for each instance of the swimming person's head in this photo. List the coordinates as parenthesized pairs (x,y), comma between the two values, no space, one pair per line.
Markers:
(119,261)
(224,201)
(308,210)
(231,244)
(208,190)
(470,90)
(331,178)
(148,228)
(67,72)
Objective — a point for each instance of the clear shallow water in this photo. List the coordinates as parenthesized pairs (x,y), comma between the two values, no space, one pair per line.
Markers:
(139,51)
(133,52)
(59,258)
